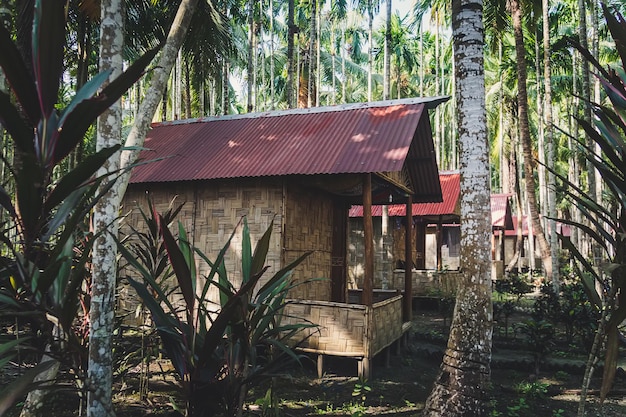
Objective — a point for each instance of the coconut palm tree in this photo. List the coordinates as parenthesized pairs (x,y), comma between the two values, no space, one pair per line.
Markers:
(461,386)
(525,138)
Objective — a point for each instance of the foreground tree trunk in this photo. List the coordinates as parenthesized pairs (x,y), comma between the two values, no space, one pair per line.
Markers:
(524,133)
(104,272)
(461,386)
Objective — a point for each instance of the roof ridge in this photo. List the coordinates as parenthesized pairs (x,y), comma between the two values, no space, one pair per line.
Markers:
(430,102)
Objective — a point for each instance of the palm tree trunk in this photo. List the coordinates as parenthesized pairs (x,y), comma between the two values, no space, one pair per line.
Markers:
(524,131)
(343,65)
(272,87)
(104,265)
(318,55)
(387,56)
(251,54)
(158,82)
(370,52)
(290,88)
(548,130)
(586,90)
(461,387)
(312,57)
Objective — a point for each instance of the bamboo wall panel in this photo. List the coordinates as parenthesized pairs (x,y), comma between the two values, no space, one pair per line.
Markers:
(347,329)
(341,331)
(211,213)
(386,324)
(308,227)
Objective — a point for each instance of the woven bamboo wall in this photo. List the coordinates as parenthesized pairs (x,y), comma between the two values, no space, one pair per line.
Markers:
(211,213)
(308,227)
(429,282)
(342,327)
(386,323)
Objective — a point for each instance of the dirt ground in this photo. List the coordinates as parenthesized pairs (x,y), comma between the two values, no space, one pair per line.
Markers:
(401,388)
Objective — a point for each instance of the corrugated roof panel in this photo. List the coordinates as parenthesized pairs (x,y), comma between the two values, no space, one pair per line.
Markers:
(372,137)
(501,211)
(450,190)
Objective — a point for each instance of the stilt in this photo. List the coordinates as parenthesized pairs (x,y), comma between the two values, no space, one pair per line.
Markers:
(320,365)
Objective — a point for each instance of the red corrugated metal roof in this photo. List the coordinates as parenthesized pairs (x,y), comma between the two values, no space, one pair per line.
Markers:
(369,137)
(564,229)
(501,211)
(449,207)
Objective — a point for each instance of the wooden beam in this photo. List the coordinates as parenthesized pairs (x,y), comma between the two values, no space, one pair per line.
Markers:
(368,225)
(439,236)
(408,255)
(420,246)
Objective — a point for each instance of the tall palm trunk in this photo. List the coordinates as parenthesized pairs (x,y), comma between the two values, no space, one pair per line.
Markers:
(370,52)
(104,269)
(157,86)
(387,56)
(290,88)
(272,87)
(251,54)
(585,90)
(461,387)
(524,132)
(549,136)
(311,88)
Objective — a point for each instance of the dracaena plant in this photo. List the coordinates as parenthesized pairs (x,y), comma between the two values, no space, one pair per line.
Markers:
(606,222)
(45,238)
(219,348)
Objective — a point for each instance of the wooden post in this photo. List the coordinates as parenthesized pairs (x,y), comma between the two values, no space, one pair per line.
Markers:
(408,255)
(439,242)
(420,246)
(368,278)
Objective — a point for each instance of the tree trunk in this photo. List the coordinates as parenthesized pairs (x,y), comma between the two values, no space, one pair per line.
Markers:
(272,75)
(251,54)
(370,52)
(312,56)
(585,90)
(387,56)
(461,386)
(289,88)
(549,140)
(158,83)
(104,269)
(524,132)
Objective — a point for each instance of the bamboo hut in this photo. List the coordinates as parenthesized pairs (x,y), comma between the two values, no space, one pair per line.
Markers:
(301,170)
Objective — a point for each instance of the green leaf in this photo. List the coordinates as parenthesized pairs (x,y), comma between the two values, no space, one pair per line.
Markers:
(86,92)
(261,250)
(77,177)
(48,44)
(20,386)
(179,264)
(12,121)
(187,251)
(10,345)
(616,26)
(77,121)
(246,252)
(18,77)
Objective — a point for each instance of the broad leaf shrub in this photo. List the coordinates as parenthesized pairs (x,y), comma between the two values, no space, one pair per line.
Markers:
(607,227)
(219,349)
(46,240)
